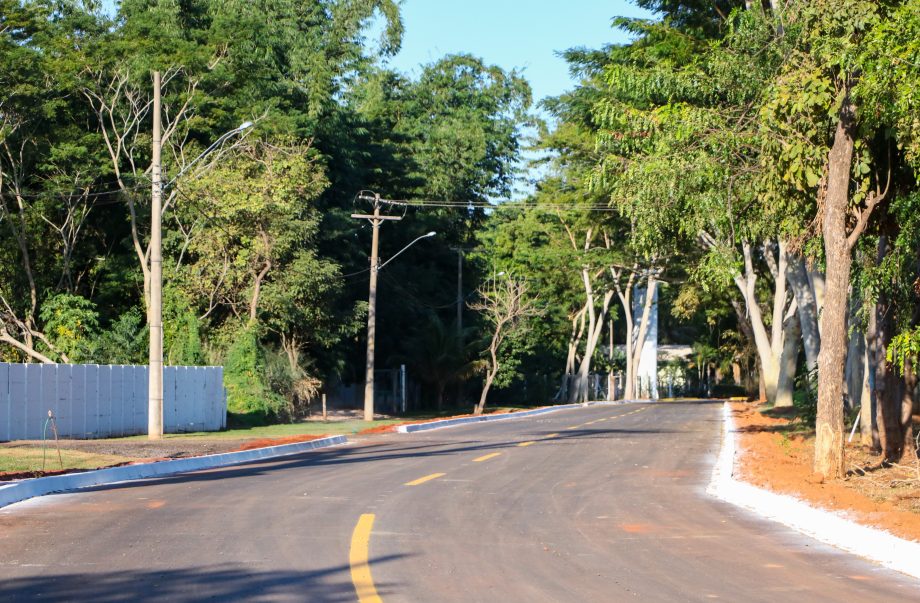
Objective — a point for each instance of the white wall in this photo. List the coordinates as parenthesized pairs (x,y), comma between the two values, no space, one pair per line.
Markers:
(96,401)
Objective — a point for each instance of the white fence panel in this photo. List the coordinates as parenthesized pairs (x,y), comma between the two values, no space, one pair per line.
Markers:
(139,420)
(18,408)
(5,406)
(91,400)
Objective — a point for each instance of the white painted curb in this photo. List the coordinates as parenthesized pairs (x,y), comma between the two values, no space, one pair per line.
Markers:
(829,527)
(445,423)
(14,492)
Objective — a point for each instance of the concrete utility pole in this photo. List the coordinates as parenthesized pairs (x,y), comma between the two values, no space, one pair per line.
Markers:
(155,310)
(459,251)
(376,220)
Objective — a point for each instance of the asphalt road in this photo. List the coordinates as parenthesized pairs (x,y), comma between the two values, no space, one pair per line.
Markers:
(597,504)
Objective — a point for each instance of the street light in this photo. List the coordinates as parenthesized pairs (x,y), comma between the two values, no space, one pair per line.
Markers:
(372,323)
(155,311)
(424,236)
(237,130)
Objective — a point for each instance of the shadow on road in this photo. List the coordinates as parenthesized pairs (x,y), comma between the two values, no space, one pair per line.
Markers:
(230,582)
(392,451)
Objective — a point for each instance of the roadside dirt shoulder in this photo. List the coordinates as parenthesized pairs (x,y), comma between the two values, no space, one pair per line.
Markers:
(774,454)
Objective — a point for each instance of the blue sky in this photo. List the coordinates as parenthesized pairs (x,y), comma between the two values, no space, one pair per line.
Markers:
(523,34)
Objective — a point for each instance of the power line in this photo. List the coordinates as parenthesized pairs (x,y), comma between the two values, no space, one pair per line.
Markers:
(42,194)
(522,206)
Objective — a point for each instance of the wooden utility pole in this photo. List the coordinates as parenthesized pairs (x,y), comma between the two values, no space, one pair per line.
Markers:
(376,220)
(155,309)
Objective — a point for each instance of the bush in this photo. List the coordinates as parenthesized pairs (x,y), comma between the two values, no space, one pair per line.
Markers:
(245,377)
(805,398)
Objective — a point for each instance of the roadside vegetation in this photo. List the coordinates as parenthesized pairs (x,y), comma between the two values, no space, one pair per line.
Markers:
(752,165)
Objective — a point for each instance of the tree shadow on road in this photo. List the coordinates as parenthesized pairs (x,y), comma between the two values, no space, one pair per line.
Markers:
(227,582)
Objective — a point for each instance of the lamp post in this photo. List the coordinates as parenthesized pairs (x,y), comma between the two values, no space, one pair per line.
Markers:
(372,319)
(155,310)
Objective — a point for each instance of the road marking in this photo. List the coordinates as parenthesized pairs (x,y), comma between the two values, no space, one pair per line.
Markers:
(552,435)
(525,443)
(358,560)
(486,457)
(422,480)
(573,427)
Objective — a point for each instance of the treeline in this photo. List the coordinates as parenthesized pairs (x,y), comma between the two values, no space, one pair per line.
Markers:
(759,161)
(751,165)
(265,271)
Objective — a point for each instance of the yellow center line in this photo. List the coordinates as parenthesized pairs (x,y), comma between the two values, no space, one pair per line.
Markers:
(358,560)
(573,427)
(486,457)
(525,443)
(422,480)
(551,435)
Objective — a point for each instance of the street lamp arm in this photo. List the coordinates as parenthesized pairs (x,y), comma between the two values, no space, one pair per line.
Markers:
(238,130)
(424,236)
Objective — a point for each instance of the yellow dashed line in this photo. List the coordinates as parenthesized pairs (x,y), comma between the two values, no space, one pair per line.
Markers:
(526,443)
(552,435)
(422,480)
(358,560)
(486,457)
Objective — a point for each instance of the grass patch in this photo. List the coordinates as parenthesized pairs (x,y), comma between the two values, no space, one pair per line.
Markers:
(276,431)
(282,430)
(24,459)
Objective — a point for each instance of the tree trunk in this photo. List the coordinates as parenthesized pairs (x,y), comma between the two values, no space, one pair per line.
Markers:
(807,303)
(829,427)
(584,370)
(853,371)
(639,342)
(785,383)
(888,389)
(770,346)
(908,445)
(867,405)
(490,377)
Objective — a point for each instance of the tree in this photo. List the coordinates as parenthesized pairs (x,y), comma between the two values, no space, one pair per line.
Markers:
(504,306)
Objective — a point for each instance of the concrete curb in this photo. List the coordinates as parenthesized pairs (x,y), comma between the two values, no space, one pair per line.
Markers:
(22,490)
(445,423)
(829,527)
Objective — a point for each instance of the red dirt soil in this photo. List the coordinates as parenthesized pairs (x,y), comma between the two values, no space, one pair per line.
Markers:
(266,442)
(782,462)
(392,428)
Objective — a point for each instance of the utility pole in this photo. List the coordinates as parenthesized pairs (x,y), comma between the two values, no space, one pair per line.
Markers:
(155,311)
(459,251)
(376,220)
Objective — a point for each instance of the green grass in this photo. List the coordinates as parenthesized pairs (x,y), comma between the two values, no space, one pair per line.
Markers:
(282,430)
(276,431)
(30,459)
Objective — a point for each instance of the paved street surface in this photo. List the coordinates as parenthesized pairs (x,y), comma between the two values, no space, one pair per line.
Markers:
(596,504)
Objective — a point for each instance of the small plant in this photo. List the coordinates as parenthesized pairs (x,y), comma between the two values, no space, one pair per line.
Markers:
(805,398)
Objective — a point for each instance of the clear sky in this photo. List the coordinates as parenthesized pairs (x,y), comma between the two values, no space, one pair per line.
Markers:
(523,34)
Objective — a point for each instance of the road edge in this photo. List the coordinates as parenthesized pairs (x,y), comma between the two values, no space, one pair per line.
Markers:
(445,423)
(825,526)
(19,491)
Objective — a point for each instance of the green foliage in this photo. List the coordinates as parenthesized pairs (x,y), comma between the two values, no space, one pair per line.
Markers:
(245,379)
(181,330)
(904,347)
(805,398)
(125,341)
(71,325)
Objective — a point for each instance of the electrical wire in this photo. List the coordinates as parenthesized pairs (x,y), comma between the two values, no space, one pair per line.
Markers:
(61,192)
(523,206)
